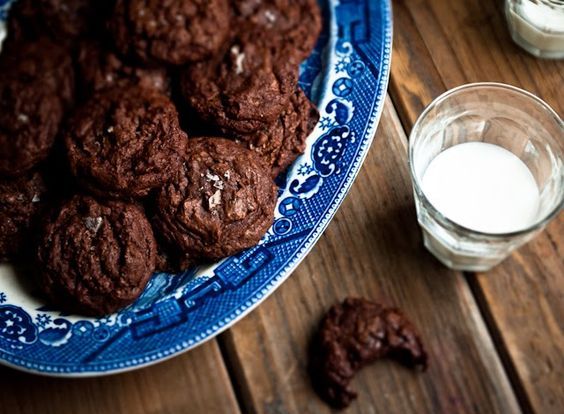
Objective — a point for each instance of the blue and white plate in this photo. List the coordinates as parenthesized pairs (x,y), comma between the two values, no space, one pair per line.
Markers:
(347,77)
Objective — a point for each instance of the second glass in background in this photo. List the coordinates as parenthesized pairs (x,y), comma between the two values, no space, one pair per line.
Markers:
(537,26)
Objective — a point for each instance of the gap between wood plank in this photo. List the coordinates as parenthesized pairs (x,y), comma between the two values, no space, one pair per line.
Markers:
(481,303)
(235,371)
(477,295)
(410,99)
(499,344)
(416,96)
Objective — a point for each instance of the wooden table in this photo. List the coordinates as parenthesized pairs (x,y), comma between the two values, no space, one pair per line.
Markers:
(496,340)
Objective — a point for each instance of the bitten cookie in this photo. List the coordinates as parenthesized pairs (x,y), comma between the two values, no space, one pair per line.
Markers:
(291,24)
(99,69)
(125,142)
(22,201)
(171,32)
(285,141)
(219,203)
(36,86)
(96,257)
(354,334)
(244,90)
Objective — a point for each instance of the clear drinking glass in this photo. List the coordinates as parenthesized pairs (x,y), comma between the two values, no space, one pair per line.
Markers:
(497,114)
(537,26)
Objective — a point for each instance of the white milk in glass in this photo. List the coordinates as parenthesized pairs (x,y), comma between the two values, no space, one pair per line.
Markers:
(483,187)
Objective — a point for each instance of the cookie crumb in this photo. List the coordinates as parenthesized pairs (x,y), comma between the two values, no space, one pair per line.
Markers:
(23,118)
(214,200)
(217,183)
(211,177)
(270,16)
(239,59)
(93,223)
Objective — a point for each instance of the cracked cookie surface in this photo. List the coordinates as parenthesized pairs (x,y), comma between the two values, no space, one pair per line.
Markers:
(285,140)
(125,142)
(100,68)
(219,203)
(294,25)
(36,87)
(22,201)
(96,256)
(172,32)
(244,90)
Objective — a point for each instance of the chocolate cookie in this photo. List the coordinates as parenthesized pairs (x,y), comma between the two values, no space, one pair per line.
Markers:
(244,90)
(221,202)
(171,32)
(62,20)
(99,68)
(283,142)
(125,142)
(36,86)
(291,24)
(354,334)
(170,260)
(96,257)
(22,201)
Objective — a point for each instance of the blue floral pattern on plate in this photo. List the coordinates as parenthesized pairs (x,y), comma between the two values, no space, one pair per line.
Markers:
(347,76)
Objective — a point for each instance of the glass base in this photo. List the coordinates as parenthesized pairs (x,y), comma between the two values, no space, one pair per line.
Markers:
(462,250)
(458,260)
(535,51)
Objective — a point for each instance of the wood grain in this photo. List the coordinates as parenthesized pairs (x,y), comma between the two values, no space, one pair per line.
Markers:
(468,41)
(411,62)
(524,302)
(373,249)
(196,382)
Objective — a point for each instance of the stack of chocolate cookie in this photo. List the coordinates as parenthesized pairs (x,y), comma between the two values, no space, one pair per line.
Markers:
(144,135)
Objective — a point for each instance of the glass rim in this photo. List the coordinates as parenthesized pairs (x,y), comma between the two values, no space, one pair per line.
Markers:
(538,224)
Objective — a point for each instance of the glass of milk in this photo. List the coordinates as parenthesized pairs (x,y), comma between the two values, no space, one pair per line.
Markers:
(486,165)
(537,26)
